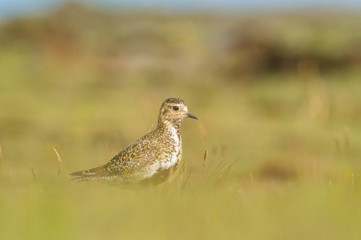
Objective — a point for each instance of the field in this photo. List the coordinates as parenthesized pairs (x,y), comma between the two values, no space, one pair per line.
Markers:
(275,154)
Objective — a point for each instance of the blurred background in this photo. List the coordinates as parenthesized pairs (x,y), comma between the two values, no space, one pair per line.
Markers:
(275,84)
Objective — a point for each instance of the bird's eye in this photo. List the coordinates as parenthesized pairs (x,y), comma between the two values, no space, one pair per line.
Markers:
(175,108)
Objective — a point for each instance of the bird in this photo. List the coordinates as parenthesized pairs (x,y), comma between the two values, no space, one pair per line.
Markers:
(150,159)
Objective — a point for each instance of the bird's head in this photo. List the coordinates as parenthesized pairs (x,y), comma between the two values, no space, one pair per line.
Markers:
(173,111)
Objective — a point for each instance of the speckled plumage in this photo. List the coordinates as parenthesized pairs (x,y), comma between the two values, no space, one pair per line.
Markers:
(151,158)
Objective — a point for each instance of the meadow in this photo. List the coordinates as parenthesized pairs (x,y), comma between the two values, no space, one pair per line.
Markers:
(275,153)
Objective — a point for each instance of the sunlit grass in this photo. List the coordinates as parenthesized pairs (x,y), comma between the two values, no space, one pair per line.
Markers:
(277,157)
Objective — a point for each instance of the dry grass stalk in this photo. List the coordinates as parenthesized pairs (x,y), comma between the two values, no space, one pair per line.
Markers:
(60,161)
(33,173)
(57,155)
(178,173)
(229,168)
(205,159)
(218,168)
(186,177)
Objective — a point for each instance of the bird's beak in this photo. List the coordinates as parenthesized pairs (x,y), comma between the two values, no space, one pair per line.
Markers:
(192,116)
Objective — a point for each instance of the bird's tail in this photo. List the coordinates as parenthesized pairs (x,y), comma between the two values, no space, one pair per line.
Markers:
(90,174)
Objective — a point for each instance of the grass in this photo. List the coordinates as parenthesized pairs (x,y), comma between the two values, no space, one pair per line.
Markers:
(276,156)
(274,169)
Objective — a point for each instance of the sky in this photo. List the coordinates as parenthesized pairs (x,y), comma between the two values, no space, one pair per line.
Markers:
(14,8)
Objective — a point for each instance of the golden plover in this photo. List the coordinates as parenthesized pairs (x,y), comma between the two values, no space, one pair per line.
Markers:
(151,158)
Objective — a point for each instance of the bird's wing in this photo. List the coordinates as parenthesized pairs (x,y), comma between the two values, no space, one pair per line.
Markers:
(124,165)
(131,159)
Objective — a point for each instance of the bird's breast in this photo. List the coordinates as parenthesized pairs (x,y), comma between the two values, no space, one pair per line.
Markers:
(174,153)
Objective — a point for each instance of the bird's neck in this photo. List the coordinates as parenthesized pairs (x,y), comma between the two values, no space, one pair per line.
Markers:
(172,127)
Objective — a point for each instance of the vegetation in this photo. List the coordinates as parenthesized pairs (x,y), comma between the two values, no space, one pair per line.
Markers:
(275,153)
